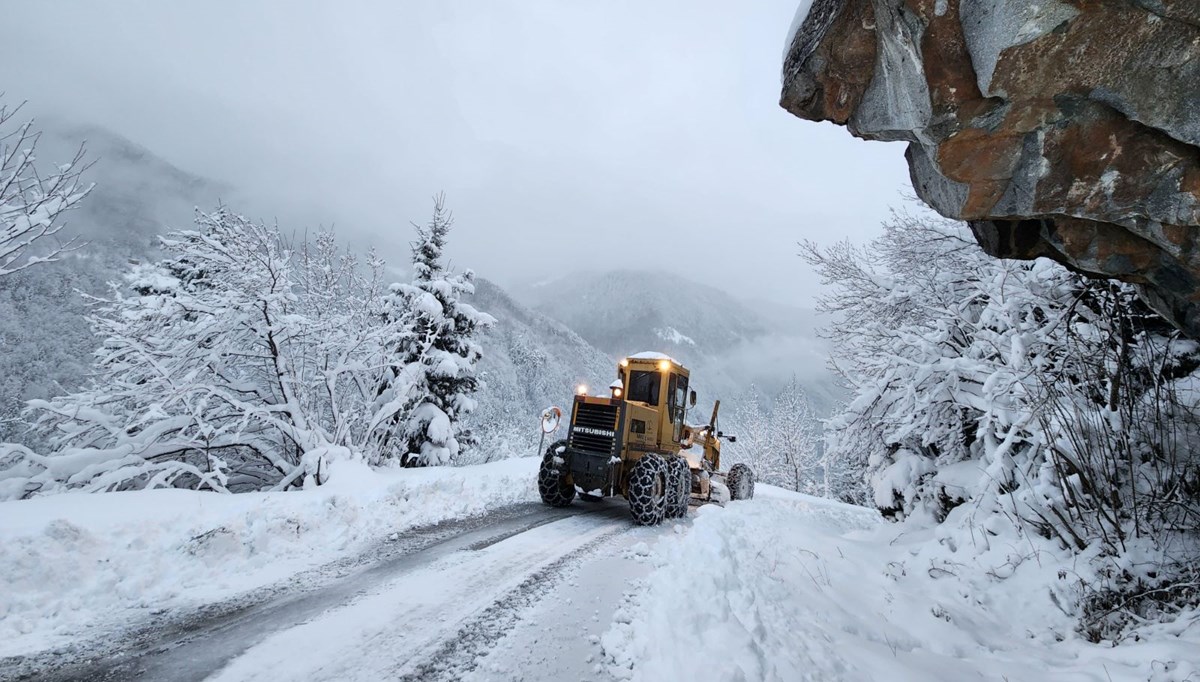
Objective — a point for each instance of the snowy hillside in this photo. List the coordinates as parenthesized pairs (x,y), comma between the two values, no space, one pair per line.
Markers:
(529,363)
(624,311)
(728,343)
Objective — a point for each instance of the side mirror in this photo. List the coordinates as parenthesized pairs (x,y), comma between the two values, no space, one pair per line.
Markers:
(692,398)
(733,439)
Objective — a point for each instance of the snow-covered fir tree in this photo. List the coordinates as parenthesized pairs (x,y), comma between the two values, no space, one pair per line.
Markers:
(433,377)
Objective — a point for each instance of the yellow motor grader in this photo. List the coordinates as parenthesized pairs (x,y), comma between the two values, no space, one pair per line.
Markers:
(635,443)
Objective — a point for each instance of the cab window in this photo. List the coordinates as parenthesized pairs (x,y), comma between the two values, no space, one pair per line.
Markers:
(681,389)
(677,401)
(643,387)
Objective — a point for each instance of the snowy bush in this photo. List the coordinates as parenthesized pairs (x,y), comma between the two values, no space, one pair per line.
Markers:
(1017,389)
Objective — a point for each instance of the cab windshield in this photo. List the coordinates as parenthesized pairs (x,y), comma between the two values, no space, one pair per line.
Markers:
(643,387)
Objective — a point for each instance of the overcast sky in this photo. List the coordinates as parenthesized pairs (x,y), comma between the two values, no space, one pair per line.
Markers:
(567,135)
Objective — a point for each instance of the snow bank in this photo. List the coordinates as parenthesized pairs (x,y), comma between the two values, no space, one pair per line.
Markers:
(76,565)
(790,587)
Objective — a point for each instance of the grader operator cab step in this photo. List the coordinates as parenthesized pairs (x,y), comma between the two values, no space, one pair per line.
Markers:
(635,443)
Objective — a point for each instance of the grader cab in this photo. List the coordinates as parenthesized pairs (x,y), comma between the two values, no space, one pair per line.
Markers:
(636,443)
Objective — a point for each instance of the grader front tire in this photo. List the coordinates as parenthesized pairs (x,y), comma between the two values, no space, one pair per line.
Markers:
(553,483)
(648,490)
(679,485)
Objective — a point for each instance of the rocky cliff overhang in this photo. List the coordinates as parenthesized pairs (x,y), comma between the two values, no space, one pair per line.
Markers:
(1060,128)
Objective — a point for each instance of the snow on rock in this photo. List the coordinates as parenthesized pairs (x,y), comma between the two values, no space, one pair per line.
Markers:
(791,587)
(74,565)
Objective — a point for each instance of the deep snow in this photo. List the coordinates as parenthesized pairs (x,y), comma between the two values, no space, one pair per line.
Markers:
(791,587)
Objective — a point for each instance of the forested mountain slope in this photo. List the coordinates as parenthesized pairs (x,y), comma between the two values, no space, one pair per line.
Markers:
(729,344)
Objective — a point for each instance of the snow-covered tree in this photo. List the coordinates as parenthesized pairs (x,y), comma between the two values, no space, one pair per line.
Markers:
(45,342)
(796,440)
(436,354)
(1040,397)
(781,443)
(750,420)
(236,363)
(933,339)
(32,203)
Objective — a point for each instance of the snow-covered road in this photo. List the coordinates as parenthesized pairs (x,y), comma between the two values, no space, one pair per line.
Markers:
(432,605)
(433,618)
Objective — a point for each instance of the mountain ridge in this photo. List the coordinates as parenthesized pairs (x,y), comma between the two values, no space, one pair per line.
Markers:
(728,343)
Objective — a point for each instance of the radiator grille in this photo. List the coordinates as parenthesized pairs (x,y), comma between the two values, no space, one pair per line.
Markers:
(594,429)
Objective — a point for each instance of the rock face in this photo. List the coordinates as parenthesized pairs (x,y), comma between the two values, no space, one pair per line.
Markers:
(1060,128)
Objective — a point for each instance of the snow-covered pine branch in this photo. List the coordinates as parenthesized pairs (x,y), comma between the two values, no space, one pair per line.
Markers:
(430,386)
(32,204)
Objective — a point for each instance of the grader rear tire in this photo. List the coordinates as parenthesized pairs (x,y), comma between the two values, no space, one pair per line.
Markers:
(648,490)
(740,481)
(553,483)
(679,485)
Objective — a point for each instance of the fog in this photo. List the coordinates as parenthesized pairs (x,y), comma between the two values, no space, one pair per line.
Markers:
(567,136)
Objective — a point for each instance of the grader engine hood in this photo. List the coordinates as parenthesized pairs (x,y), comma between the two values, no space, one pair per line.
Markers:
(595,438)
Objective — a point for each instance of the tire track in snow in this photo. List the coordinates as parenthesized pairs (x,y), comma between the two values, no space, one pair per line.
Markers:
(460,653)
(405,629)
(194,645)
